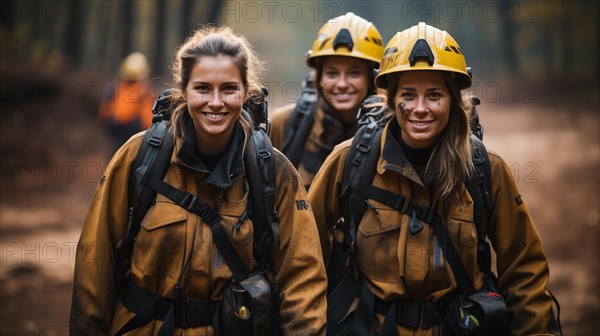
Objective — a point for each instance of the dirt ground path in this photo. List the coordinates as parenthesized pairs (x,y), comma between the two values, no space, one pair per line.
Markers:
(554,155)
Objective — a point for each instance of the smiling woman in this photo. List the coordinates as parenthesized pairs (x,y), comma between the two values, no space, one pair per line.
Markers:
(422,104)
(344,54)
(404,218)
(201,264)
(214,95)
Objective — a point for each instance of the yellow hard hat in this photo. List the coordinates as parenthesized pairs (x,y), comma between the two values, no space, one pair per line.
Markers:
(347,35)
(423,47)
(135,67)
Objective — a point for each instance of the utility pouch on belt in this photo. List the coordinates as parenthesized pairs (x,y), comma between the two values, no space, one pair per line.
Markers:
(247,307)
(481,313)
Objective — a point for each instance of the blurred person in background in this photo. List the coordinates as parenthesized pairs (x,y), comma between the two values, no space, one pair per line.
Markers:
(344,55)
(127,107)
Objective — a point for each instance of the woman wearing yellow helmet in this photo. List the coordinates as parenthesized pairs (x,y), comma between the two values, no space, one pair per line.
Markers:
(346,51)
(415,253)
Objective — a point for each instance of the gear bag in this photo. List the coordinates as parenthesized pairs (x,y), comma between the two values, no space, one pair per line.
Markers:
(145,180)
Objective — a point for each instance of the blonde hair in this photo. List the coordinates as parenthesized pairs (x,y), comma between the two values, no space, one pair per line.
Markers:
(451,161)
(213,41)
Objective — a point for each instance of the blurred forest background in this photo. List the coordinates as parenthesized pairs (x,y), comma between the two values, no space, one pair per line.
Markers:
(536,68)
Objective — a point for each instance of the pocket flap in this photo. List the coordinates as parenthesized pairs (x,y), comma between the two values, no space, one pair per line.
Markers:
(463,213)
(163,213)
(379,220)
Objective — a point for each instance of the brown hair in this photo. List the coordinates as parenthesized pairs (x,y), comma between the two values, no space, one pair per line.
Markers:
(451,161)
(213,41)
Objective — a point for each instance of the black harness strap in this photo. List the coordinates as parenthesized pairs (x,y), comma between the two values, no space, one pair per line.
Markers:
(149,306)
(153,159)
(299,125)
(406,205)
(191,203)
(479,187)
(261,180)
(407,316)
(342,266)
(363,315)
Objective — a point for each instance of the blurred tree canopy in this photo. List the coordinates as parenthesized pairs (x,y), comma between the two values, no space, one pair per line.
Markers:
(546,40)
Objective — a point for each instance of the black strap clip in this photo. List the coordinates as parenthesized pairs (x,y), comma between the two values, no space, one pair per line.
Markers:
(189,202)
(363,147)
(400,203)
(155,141)
(264,153)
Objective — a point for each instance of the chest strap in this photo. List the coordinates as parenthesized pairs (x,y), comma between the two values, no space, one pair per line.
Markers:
(428,215)
(407,312)
(180,313)
(148,306)
(193,204)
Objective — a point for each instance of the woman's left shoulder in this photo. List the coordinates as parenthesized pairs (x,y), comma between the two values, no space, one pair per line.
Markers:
(282,163)
(495,158)
(497,163)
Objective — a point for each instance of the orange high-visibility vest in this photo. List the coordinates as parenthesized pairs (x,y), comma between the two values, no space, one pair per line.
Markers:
(129,101)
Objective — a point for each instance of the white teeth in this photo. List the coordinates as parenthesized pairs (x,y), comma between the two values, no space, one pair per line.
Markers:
(421,123)
(215,115)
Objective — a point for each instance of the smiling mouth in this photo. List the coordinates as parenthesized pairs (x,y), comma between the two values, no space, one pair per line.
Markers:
(421,123)
(215,116)
(343,96)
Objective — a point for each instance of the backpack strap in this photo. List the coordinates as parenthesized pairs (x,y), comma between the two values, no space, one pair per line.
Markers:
(153,159)
(299,126)
(260,169)
(343,286)
(479,186)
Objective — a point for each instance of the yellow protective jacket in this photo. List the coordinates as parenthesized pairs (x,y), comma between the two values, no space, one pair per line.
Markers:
(169,234)
(399,265)
(326,132)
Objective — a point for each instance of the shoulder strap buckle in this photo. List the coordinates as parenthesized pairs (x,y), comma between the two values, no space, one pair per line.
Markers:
(189,201)
(155,141)
(363,147)
(263,153)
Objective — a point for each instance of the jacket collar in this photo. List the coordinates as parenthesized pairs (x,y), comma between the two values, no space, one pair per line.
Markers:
(229,167)
(392,155)
(328,130)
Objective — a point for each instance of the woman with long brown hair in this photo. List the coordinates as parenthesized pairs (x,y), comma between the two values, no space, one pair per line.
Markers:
(413,253)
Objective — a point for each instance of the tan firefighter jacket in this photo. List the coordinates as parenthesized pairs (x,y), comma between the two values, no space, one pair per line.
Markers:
(398,265)
(169,234)
(326,132)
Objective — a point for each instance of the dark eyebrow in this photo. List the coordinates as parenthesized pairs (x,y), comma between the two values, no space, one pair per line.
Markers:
(410,88)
